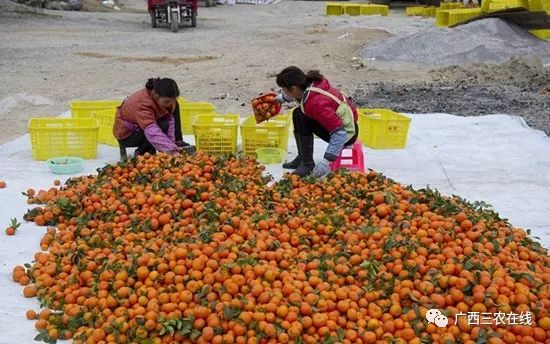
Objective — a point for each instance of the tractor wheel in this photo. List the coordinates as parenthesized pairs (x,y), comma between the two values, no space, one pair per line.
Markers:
(154,23)
(174,21)
(193,18)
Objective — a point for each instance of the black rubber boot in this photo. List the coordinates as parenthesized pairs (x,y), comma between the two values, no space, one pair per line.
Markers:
(296,162)
(306,154)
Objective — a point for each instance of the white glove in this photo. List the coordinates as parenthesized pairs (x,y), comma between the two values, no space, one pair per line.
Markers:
(281,98)
(322,168)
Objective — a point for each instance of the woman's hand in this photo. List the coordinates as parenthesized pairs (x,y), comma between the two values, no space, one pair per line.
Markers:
(282,98)
(322,168)
(188,149)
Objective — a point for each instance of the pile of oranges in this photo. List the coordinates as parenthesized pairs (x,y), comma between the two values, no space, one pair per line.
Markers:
(201,249)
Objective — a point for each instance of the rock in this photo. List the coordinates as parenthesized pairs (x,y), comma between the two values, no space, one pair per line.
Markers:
(74,5)
(34,3)
(31,3)
(346,35)
(108,3)
(7,103)
(54,5)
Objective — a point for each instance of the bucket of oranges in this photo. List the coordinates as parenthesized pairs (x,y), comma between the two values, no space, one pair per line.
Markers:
(265,107)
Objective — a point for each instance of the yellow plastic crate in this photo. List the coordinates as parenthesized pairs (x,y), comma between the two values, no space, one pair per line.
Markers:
(421,11)
(450,5)
(462,15)
(415,11)
(189,112)
(429,11)
(270,134)
(84,108)
(105,121)
(216,133)
(539,6)
(289,114)
(383,128)
(541,33)
(334,9)
(442,17)
(181,101)
(499,5)
(372,10)
(352,9)
(58,137)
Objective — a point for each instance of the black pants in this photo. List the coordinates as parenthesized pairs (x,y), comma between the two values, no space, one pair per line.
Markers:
(177,123)
(304,126)
(138,139)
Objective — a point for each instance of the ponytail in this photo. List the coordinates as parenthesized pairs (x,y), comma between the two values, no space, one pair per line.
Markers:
(163,87)
(313,76)
(150,85)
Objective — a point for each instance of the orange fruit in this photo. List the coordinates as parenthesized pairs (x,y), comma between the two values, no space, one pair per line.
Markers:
(31,315)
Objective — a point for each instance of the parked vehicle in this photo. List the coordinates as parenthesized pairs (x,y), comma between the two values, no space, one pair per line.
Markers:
(173,13)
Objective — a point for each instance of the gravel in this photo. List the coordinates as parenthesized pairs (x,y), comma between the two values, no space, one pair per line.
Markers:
(521,86)
(490,40)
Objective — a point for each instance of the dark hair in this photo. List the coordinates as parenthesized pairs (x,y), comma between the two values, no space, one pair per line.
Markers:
(294,76)
(163,87)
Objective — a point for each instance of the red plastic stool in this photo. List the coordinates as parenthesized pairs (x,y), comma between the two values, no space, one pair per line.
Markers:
(355,161)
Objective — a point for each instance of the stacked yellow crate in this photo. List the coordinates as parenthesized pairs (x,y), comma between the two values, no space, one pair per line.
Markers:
(415,11)
(541,33)
(352,9)
(462,15)
(450,5)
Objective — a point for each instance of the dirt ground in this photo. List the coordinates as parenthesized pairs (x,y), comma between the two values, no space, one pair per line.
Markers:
(519,87)
(232,55)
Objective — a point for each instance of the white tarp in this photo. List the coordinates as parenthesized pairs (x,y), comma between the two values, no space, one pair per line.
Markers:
(497,159)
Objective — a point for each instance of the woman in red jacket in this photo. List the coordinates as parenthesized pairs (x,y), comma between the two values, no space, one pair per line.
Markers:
(149,119)
(323,111)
